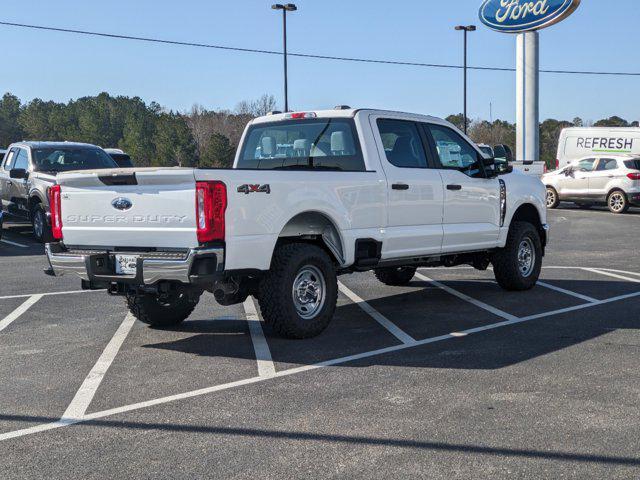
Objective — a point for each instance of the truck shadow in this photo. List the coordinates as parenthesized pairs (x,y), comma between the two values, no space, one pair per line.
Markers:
(18,241)
(353,332)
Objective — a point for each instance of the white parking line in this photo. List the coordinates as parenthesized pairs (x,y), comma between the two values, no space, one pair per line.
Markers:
(15,244)
(6,321)
(467,298)
(581,307)
(83,397)
(48,294)
(396,331)
(567,292)
(613,275)
(266,367)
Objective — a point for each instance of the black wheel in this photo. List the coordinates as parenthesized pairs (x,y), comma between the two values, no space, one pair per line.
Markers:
(617,202)
(299,293)
(584,206)
(517,266)
(41,230)
(395,276)
(164,310)
(553,200)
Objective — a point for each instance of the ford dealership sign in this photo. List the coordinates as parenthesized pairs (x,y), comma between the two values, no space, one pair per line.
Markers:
(516,16)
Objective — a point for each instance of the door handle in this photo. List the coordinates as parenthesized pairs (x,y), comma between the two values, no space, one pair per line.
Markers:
(454,187)
(400,186)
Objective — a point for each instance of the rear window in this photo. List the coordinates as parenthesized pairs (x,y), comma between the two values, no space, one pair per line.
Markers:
(64,159)
(632,164)
(318,144)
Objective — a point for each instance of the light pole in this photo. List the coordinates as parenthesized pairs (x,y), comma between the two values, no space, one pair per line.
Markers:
(465,29)
(289,7)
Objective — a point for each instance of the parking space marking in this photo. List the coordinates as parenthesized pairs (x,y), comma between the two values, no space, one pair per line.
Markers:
(48,294)
(619,271)
(306,368)
(83,397)
(613,275)
(15,244)
(567,292)
(396,331)
(9,319)
(467,298)
(266,367)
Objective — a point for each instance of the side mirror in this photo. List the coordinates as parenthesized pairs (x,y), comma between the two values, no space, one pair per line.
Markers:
(18,173)
(503,152)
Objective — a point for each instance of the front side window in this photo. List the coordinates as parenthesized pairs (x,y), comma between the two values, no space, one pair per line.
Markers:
(402,143)
(586,165)
(64,159)
(315,144)
(22,160)
(454,152)
(607,164)
(8,163)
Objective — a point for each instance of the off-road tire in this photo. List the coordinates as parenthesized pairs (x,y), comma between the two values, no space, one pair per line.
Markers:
(395,276)
(39,215)
(150,309)
(556,202)
(276,291)
(625,202)
(505,261)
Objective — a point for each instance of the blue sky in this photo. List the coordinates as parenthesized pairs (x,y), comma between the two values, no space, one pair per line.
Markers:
(601,35)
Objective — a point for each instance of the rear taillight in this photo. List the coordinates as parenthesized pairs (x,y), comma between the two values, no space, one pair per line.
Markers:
(634,176)
(211,205)
(55,207)
(557,163)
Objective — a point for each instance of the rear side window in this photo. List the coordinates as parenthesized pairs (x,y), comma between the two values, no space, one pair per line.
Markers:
(310,144)
(607,164)
(402,143)
(633,164)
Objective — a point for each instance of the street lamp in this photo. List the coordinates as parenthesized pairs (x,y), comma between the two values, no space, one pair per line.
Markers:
(465,29)
(289,7)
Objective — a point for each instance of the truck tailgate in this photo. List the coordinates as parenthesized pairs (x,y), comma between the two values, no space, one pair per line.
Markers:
(127,208)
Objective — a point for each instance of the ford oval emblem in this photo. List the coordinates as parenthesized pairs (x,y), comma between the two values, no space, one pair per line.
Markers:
(517,16)
(121,203)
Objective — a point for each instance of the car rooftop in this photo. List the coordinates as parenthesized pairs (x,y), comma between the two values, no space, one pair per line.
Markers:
(39,144)
(338,112)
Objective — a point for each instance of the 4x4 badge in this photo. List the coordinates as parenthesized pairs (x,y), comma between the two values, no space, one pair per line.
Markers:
(249,188)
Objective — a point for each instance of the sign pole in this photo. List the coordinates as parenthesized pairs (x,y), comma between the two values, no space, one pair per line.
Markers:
(527,96)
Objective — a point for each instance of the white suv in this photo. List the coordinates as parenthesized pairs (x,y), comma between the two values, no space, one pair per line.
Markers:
(614,180)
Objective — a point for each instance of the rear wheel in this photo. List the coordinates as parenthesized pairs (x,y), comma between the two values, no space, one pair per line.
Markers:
(41,230)
(617,202)
(395,276)
(163,310)
(299,293)
(552,198)
(517,266)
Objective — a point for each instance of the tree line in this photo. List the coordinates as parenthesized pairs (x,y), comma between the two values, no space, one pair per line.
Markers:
(155,136)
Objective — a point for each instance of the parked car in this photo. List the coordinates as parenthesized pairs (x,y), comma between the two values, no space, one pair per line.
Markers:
(359,190)
(611,180)
(122,159)
(30,168)
(577,143)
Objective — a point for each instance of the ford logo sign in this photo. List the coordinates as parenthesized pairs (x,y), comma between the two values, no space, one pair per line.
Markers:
(517,16)
(121,203)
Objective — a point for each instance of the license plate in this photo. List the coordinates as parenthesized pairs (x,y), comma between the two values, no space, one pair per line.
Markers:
(126,264)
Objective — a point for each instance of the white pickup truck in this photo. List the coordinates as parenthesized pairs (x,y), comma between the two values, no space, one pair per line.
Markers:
(312,195)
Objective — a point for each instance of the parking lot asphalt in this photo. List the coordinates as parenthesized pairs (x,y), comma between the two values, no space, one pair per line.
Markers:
(450,377)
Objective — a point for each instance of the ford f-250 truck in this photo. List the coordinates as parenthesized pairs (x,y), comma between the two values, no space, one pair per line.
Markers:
(311,195)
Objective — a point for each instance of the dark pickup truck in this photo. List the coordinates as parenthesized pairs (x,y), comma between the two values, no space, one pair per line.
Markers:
(27,171)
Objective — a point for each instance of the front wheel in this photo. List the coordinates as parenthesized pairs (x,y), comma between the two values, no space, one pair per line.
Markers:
(517,266)
(298,296)
(395,276)
(163,310)
(617,202)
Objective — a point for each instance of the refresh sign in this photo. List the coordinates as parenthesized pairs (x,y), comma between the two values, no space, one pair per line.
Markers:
(517,16)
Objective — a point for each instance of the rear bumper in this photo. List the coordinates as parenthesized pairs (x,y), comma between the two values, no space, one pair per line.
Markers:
(198,265)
